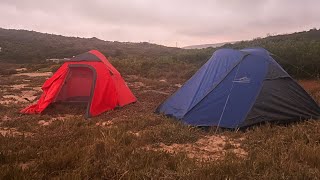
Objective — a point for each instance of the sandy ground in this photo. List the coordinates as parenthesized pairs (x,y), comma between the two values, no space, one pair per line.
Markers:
(18,86)
(27,94)
(47,122)
(24,96)
(21,69)
(207,148)
(34,74)
(13,132)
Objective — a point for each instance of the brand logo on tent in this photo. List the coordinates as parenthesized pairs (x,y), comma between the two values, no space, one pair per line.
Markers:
(242,80)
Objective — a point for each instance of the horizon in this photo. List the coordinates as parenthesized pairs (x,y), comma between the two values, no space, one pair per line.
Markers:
(71,36)
(169,23)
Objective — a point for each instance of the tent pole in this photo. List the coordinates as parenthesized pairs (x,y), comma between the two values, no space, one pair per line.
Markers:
(225,104)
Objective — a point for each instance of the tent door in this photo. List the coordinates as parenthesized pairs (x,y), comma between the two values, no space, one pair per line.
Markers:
(78,85)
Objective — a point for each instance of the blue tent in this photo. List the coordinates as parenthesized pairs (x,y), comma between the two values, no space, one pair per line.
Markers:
(239,88)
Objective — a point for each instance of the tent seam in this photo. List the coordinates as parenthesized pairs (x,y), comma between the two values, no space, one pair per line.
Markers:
(217,84)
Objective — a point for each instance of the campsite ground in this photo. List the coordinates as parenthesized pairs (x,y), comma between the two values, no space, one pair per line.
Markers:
(132,142)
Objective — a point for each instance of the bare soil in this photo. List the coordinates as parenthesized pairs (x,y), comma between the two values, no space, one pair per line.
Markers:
(207,148)
(34,74)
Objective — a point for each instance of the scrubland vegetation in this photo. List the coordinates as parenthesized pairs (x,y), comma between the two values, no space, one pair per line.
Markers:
(134,143)
(298,53)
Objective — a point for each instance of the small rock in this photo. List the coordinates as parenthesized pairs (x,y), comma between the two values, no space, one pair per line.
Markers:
(41,122)
(107,123)
(137,134)
(44,123)
(178,85)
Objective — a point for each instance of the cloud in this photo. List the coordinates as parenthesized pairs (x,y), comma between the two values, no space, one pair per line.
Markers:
(163,22)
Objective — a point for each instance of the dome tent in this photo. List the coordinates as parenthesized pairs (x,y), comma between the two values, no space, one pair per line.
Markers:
(89,78)
(239,88)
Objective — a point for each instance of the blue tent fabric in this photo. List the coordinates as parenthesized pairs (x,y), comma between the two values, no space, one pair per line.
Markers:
(231,89)
(200,83)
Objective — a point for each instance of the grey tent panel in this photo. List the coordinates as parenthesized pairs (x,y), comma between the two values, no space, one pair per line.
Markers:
(282,99)
(85,57)
(275,71)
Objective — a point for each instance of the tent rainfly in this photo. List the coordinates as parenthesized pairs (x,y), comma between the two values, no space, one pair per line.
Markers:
(240,88)
(89,78)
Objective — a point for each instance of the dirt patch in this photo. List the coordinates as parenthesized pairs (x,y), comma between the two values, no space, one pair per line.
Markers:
(26,165)
(13,99)
(37,88)
(14,132)
(26,96)
(30,95)
(178,85)
(59,118)
(34,74)
(207,148)
(23,96)
(312,87)
(136,84)
(44,123)
(21,69)
(62,118)
(18,86)
(157,92)
(106,123)
(310,84)
(137,134)
(6,118)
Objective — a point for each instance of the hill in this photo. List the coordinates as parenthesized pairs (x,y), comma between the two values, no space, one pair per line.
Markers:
(21,46)
(201,46)
(299,52)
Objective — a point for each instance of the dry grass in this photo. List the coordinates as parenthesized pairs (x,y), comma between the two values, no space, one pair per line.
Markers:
(61,144)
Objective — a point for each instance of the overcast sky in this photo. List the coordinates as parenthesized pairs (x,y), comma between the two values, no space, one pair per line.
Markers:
(166,22)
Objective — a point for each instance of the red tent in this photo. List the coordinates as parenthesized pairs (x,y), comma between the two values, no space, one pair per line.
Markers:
(88,77)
